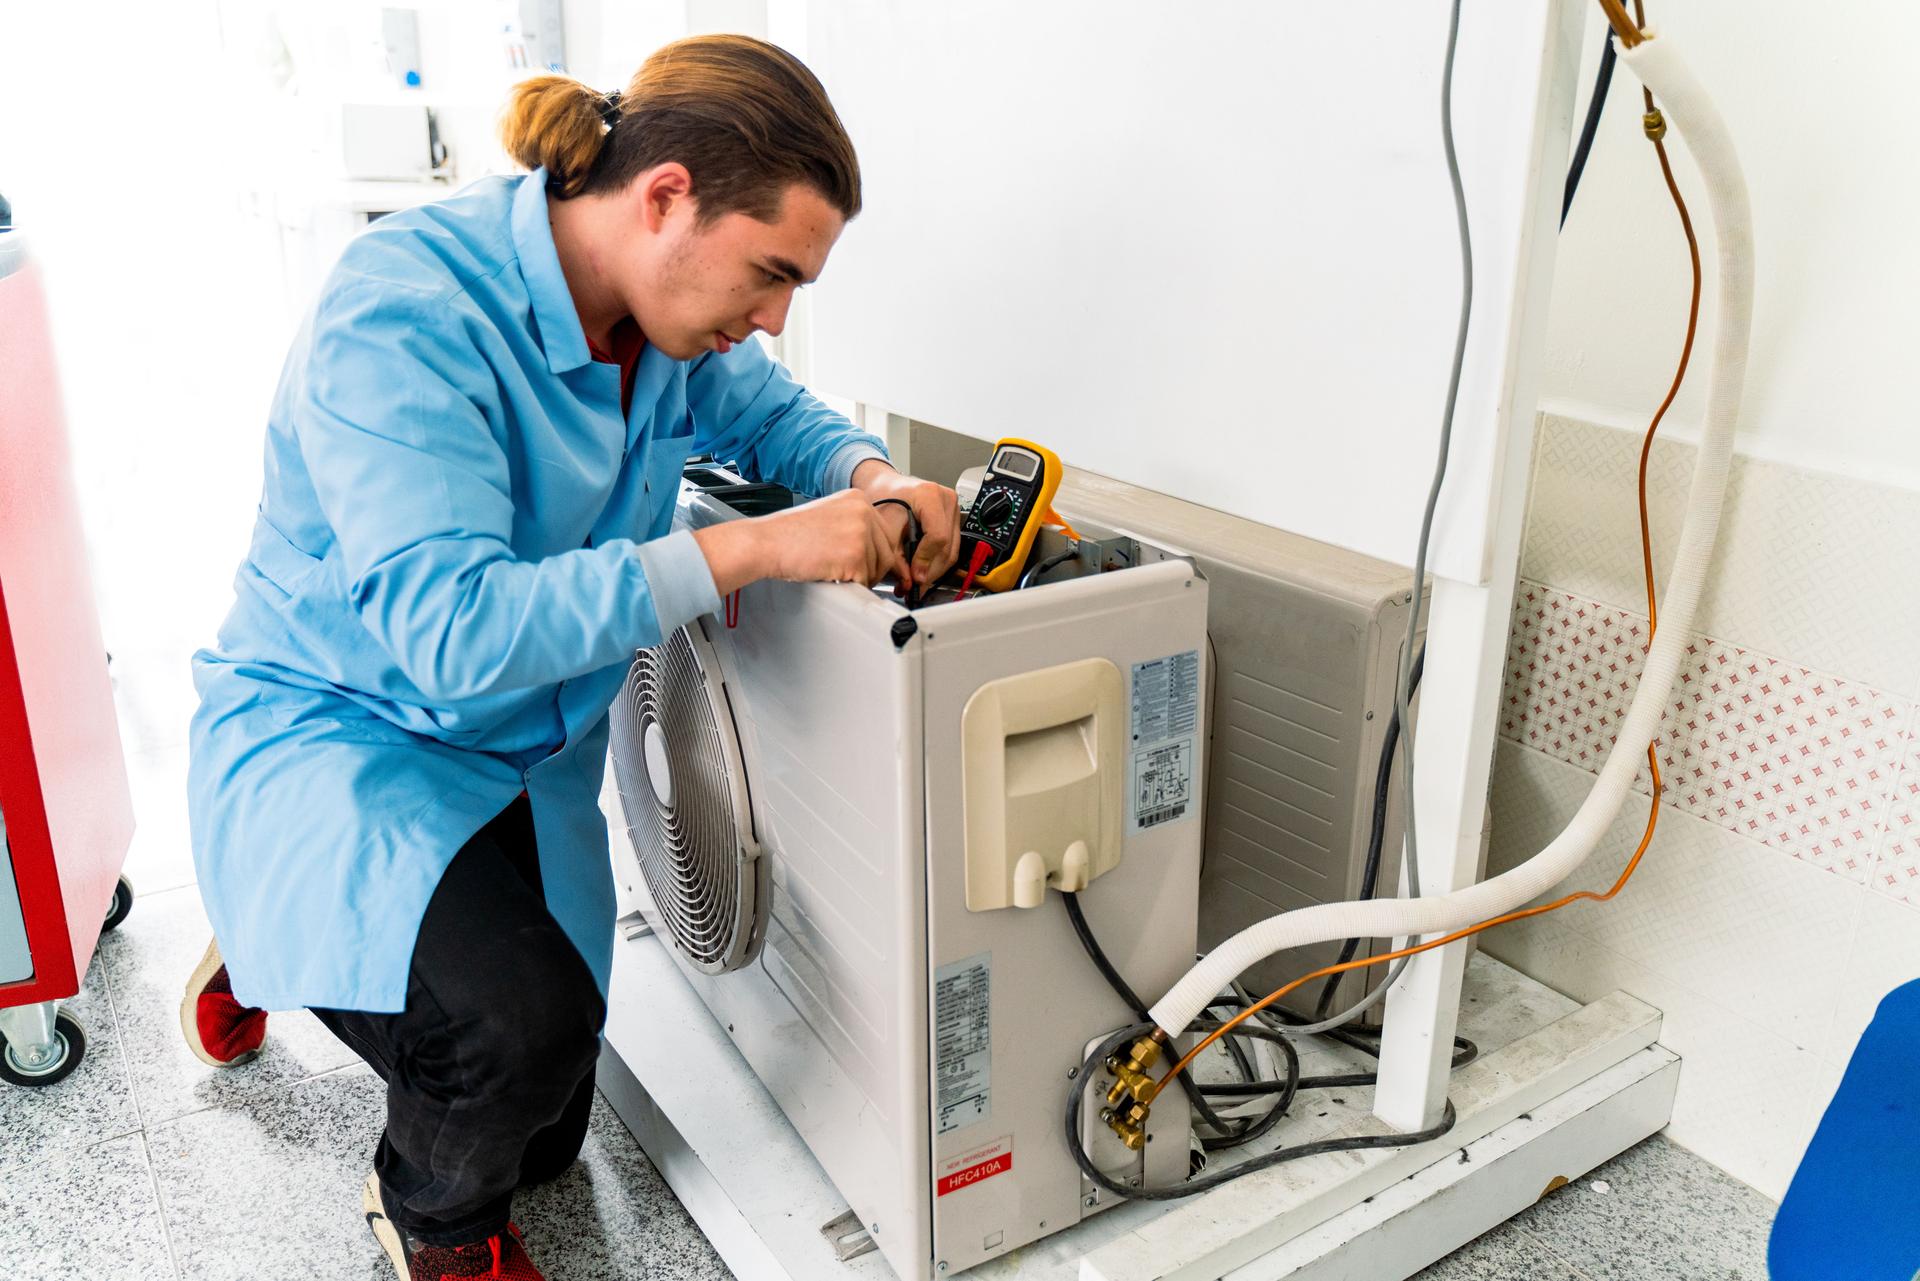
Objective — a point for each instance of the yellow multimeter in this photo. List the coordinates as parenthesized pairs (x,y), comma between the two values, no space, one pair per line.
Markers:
(1014,500)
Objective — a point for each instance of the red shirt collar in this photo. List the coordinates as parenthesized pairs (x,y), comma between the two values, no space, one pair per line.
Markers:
(628,342)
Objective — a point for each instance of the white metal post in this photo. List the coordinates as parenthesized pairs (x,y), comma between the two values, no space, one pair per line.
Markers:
(1467,639)
(1459,699)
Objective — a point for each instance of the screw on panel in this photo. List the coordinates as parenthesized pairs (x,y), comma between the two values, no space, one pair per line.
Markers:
(1093,1201)
(873,1229)
(1133,1180)
(1073,1074)
(942,1265)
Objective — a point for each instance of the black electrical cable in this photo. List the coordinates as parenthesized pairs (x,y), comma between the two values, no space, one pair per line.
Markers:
(1595,104)
(1376,837)
(1285,1088)
(1051,562)
(1098,955)
(1464,1052)
(1241,1062)
(1224,1128)
(1207,1182)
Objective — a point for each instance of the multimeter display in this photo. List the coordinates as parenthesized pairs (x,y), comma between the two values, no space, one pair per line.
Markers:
(1017,463)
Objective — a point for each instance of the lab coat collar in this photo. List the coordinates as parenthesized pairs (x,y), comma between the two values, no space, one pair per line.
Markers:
(561,335)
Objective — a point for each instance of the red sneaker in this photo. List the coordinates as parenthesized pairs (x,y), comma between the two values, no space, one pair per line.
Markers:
(220,1031)
(503,1257)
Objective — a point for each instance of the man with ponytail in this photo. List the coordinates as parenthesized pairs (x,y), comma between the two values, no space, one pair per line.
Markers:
(464,534)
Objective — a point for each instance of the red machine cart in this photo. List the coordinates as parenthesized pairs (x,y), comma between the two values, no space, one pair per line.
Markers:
(66,813)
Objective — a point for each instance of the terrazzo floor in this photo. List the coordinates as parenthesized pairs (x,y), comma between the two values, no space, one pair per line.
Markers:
(144,1164)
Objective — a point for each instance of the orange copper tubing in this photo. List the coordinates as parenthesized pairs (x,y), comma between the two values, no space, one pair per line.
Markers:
(1623,26)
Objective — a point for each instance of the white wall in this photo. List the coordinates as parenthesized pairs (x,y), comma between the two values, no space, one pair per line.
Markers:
(1820,103)
(1124,274)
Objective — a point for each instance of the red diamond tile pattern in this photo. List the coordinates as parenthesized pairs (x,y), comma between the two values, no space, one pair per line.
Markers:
(1799,760)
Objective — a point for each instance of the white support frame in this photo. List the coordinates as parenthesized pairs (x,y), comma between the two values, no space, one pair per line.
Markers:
(1466,647)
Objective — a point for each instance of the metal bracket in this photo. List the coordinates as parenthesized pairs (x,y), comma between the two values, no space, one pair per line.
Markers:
(848,1236)
(634,925)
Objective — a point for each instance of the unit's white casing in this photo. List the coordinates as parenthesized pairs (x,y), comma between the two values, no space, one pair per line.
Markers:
(850,731)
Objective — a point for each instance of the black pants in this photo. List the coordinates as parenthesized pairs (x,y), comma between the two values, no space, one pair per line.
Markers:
(489,1069)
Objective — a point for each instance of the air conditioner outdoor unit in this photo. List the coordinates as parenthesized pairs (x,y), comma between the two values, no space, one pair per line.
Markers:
(1304,644)
(850,821)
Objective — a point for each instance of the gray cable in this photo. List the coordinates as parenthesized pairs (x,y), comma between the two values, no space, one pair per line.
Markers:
(1410,858)
(1400,692)
(1358,1008)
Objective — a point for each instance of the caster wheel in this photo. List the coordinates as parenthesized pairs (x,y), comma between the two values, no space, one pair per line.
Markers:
(72,1047)
(121,905)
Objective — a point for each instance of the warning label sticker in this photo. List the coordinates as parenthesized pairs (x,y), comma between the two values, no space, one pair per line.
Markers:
(1166,719)
(962,1043)
(973,1165)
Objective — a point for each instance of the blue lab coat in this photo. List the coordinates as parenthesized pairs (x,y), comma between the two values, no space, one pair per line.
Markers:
(461,542)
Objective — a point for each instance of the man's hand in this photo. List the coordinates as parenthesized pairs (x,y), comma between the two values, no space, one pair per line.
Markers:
(842,538)
(935,506)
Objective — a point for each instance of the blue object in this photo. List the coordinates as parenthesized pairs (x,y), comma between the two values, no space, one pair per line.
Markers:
(1852,1212)
(461,542)
(413,79)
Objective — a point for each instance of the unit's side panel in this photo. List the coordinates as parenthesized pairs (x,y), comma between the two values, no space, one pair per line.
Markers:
(1003,1173)
(832,1016)
(1305,695)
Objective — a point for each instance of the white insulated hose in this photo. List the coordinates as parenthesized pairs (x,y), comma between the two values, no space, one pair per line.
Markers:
(1691,113)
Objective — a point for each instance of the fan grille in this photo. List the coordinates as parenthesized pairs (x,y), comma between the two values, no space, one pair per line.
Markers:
(698,869)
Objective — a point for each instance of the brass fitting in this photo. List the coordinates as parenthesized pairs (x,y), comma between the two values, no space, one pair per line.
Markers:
(1130,1123)
(1655,124)
(1130,1098)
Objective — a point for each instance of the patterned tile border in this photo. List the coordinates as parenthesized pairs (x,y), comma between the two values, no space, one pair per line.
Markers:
(1803,762)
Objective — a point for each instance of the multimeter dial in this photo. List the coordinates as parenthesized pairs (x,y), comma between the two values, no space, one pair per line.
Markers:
(997,511)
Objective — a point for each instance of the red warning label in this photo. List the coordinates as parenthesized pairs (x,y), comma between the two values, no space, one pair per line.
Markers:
(975,1165)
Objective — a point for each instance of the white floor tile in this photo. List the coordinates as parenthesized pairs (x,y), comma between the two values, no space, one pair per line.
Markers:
(270,1187)
(86,1216)
(92,1103)
(156,950)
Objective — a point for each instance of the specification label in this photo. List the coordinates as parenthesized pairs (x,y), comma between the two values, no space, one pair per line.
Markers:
(1166,719)
(962,1043)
